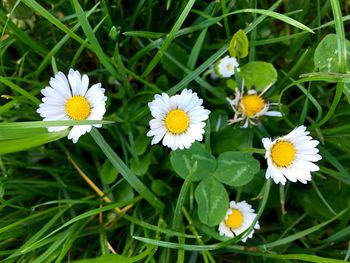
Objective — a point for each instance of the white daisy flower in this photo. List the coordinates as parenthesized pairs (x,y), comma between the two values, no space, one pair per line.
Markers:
(250,106)
(71,99)
(291,156)
(239,217)
(179,120)
(226,67)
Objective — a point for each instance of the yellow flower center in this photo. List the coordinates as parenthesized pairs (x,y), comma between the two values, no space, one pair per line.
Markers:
(235,219)
(177,121)
(252,104)
(78,108)
(283,153)
(229,66)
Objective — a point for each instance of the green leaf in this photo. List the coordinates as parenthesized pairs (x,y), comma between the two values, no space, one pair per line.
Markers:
(108,172)
(140,166)
(231,84)
(212,201)
(236,168)
(183,160)
(231,138)
(161,188)
(326,54)
(258,75)
(123,192)
(239,45)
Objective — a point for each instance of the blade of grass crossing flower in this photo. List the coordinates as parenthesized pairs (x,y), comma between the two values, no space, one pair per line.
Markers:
(129,176)
(40,124)
(170,37)
(92,38)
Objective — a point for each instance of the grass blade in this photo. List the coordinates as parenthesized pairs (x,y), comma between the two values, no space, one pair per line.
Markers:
(92,39)
(128,175)
(169,38)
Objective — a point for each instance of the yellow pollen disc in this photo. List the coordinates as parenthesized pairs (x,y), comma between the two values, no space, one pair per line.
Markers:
(283,153)
(235,219)
(252,104)
(78,108)
(229,67)
(177,121)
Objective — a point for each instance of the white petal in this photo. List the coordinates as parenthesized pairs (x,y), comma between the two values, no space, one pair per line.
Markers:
(277,176)
(156,123)
(273,113)
(160,130)
(290,174)
(309,157)
(308,166)
(78,131)
(84,84)
(267,143)
(74,79)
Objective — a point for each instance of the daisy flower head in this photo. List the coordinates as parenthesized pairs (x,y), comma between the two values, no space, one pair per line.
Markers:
(250,106)
(226,67)
(69,98)
(291,157)
(179,120)
(239,217)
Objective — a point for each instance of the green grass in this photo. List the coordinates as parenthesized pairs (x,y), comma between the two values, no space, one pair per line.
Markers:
(113,197)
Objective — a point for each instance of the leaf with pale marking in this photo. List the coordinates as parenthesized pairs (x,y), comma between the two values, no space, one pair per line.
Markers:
(212,201)
(236,168)
(183,160)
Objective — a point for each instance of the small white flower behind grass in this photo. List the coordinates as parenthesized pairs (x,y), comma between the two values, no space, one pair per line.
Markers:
(179,120)
(239,217)
(226,67)
(71,99)
(249,107)
(291,157)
